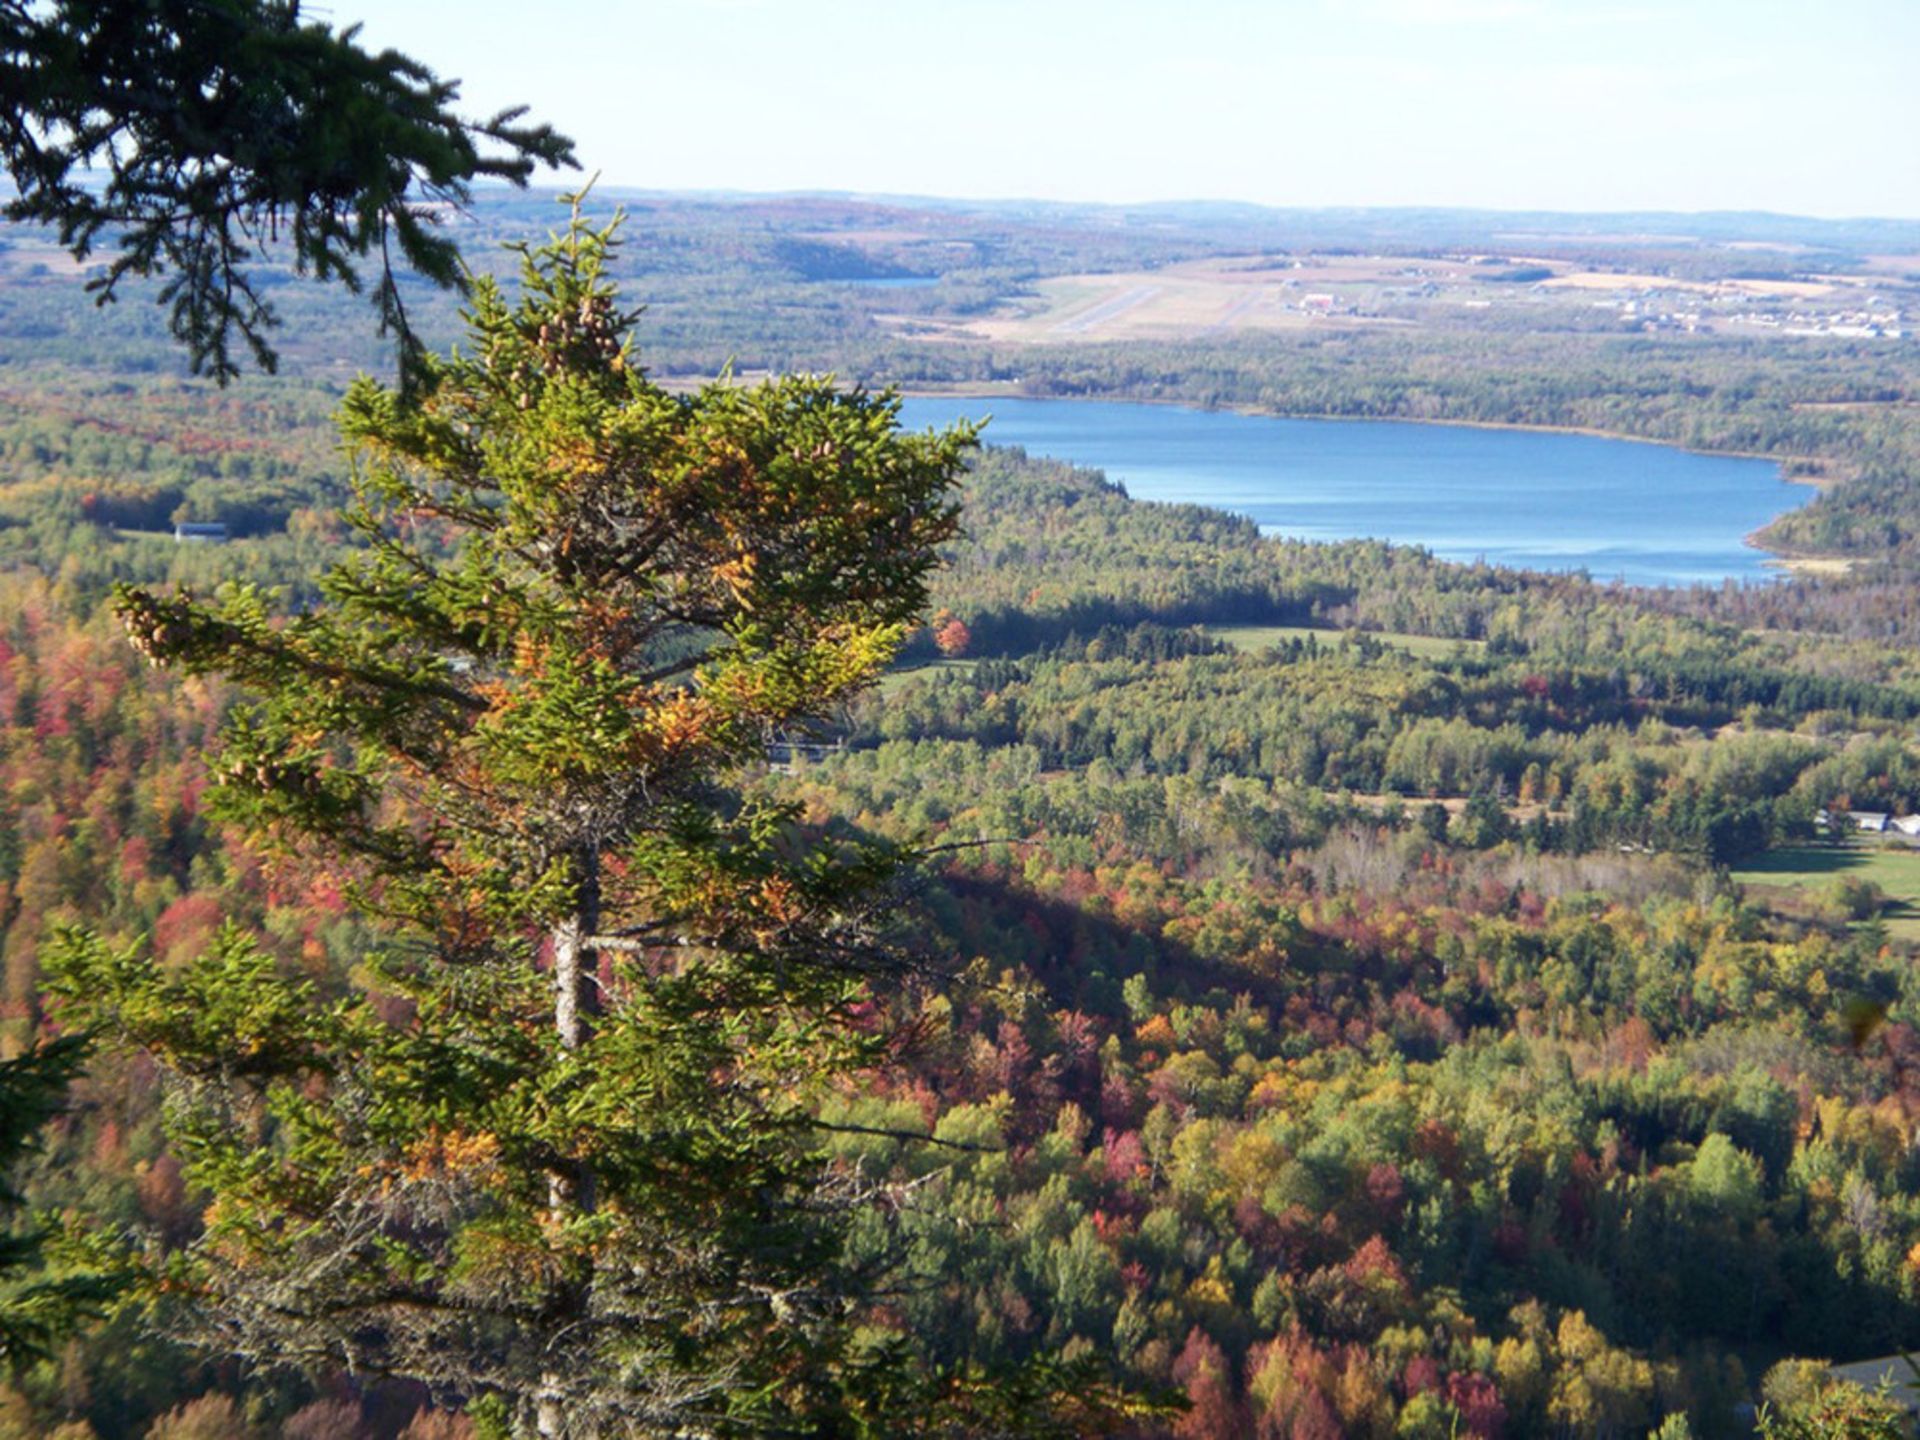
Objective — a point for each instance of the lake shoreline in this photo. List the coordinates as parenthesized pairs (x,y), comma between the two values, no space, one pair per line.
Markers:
(1810,567)
(1744,505)
(1786,565)
(972,392)
(681,384)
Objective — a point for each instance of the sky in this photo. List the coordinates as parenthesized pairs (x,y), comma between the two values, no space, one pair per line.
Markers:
(1800,106)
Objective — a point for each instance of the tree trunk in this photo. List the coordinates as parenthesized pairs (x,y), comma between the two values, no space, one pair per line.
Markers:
(576,997)
(576,1001)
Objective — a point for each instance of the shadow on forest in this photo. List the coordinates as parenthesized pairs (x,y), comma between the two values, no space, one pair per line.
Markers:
(1065,946)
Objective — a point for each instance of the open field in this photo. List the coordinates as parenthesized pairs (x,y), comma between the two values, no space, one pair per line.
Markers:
(1261,637)
(894,679)
(1225,295)
(1209,297)
(1610,280)
(1796,874)
(1176,302)
(1519,812)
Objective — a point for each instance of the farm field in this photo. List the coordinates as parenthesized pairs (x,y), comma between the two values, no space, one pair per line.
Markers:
(1798,873)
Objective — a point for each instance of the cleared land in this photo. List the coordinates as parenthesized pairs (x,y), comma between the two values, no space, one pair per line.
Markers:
(1263,637)
(894,679)
(1249,639)
(1303,292)
(1210,297)
(1609,280)
(1791,879)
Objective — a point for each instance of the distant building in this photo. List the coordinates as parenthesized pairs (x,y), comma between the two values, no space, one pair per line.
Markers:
(1907,824)
(1870,820)
(211,531)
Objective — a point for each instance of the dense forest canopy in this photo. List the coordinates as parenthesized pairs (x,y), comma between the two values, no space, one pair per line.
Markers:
(1377,996)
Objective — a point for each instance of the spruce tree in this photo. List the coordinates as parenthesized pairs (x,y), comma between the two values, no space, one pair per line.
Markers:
(39,1302)
(195,140)
(554,1149)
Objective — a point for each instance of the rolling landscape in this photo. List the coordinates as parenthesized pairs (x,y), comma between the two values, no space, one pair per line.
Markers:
(858,814)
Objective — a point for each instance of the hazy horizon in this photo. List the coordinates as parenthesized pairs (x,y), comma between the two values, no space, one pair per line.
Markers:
(607,184)
(1534,105)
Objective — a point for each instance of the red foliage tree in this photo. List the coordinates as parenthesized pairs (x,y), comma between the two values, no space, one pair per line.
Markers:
(1204,1372)
(1421,1375)
(1477,1400)
(1313,1419)
(953,638)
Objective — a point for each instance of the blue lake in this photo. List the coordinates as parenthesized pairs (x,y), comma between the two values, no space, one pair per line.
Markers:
(892,282)
(1648,514)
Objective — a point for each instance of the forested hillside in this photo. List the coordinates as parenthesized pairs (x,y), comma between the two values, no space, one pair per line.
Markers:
(1355,1035)
(1693,340)
(1353,994)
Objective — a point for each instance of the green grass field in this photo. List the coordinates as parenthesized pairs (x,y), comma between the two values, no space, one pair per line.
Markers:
(1262,637)
(894,679)
(1804,869)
